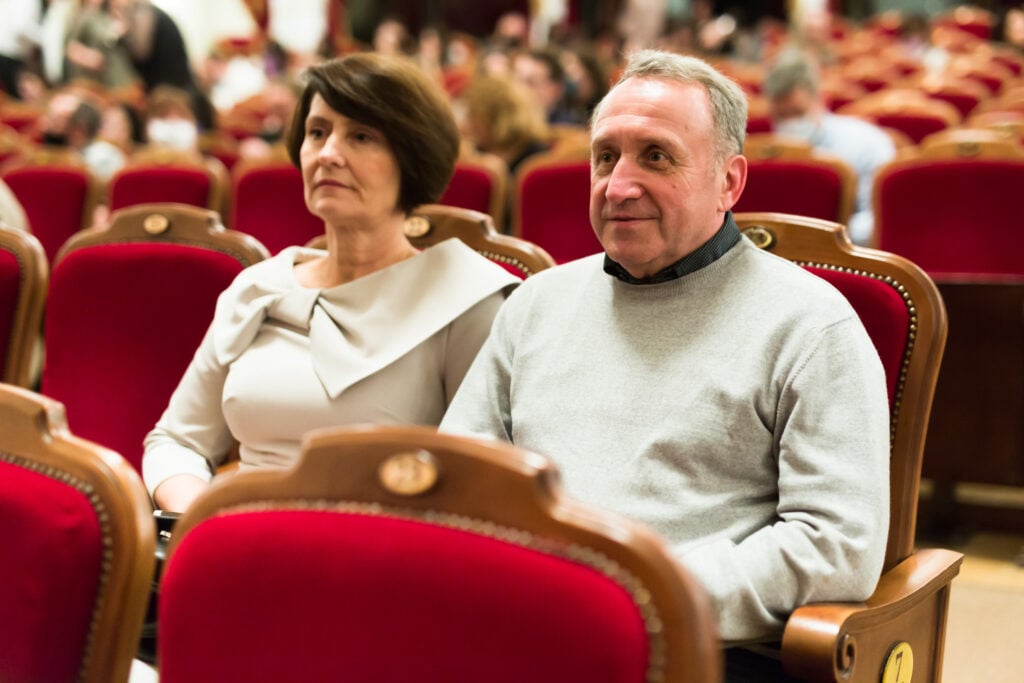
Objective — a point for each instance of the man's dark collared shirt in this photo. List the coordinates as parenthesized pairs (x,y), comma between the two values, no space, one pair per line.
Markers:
(706,254)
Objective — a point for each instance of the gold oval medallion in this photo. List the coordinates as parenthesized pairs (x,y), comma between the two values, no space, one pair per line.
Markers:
(416,226)
(408,474)
(155,224)
(761,236)
(899,665)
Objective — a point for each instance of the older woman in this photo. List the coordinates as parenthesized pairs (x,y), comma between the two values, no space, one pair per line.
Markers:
(370,331)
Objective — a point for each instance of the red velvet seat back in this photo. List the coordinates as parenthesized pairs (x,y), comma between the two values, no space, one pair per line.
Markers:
(884,314)
(268,203)
(915,126)
(10,290)
(328,595)
(51,549)
(953,215)
(470,188)
(151,184)
(122,323)
(554,210)
(792,186)
(54,198)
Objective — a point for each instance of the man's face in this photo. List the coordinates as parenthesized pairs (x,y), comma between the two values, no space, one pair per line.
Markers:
(796,104)
(656,191)
(534,74)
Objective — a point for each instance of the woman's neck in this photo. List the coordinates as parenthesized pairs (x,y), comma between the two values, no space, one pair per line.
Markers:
(352,254)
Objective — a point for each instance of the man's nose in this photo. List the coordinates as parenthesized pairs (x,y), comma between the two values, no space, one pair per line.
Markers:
(623,183)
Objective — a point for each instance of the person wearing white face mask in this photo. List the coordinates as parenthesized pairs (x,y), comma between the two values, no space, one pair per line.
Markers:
(171,121)
(798,110)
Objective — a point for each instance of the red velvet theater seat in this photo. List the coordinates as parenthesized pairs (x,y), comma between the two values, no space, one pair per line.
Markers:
(267,202)
(400,554)
(77,542)
(126,310)
(951,208)
(480,183)
(788,176)
(909,111)
(434,223)
(23,277)
(551,206)
(58,196)
(162,175)
(905,318)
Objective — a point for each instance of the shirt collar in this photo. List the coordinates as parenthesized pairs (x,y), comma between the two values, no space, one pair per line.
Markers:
(706,254)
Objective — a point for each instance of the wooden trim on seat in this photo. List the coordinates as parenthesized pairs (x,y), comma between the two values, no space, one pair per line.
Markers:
(433,223)
(491,489)
(170,223)
(28,314)
(823,244)
(849,642)
(35,436)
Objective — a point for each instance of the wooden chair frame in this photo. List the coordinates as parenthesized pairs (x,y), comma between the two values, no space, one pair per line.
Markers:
(433,223)
(172,223)
(35,436)
(850,642)
(28,312)
(483,488)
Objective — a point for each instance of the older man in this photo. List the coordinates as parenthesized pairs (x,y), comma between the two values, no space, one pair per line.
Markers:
(686,379)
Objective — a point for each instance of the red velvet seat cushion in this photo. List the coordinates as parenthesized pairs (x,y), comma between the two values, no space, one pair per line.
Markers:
(269,204)
(122,323)
(53,198)
(954,216)
(10,290)
(554,206)
(315,596)
(145,185)
(469,188)
(51,549)
(884,314)
(791,186)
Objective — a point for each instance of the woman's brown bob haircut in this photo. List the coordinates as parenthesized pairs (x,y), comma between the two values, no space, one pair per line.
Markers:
(393,95)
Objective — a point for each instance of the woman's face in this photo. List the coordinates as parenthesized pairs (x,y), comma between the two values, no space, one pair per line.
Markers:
(349,172)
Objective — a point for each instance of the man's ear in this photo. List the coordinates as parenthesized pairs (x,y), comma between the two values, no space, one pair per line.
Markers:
(734,179)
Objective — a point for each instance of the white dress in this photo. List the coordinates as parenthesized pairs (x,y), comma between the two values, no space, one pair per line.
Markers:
(280,360)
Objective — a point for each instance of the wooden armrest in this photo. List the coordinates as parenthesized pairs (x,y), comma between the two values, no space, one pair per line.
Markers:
(849,642)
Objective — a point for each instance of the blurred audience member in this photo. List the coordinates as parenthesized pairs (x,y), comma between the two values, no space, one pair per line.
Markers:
(103,158)
(392,38)
(19,34)
(791,86)
(94,50)
(170,119)
(501,118)
(587,80)
(542,73)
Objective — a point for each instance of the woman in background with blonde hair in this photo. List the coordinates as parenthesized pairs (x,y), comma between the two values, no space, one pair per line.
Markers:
(502,118)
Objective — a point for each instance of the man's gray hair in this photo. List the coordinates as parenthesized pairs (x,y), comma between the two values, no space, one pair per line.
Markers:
(728,102)
(792,70)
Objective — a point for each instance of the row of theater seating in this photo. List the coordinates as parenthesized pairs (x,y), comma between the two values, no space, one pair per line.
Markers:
(436,576)
(126,305)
